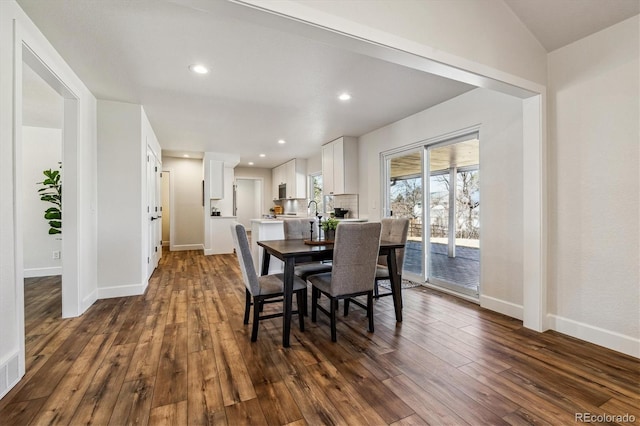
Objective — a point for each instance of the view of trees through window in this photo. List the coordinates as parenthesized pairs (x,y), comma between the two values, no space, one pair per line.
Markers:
(467,216)
(316,191)
(406,201)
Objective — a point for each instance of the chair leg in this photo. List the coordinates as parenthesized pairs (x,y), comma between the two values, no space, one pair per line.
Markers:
(370,310)
(375,289)
(305,308)
(314,303)
(334,308)
(247,306)
(301,297)
(257,303)
(346,307)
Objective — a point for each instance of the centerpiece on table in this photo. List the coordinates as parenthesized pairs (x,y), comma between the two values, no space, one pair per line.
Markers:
(329,227)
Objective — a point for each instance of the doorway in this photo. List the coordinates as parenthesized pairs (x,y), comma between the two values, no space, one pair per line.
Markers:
(248,196)
(443,243)
(166,208)
(67,254)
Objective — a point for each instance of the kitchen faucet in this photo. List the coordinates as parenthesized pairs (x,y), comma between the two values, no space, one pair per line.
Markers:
(314,202)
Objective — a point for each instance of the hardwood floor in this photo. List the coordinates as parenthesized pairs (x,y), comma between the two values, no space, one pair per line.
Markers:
(180,355)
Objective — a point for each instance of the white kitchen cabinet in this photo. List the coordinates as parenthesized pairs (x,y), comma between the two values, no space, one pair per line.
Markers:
(216,179)
(262,230)
(277,178)
(340,166)
(293,175)
(221,237)
(296,178)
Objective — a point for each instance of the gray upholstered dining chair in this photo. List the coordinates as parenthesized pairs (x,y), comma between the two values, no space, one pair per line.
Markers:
(395,230)
(355,254)
(300,229)
(263,289)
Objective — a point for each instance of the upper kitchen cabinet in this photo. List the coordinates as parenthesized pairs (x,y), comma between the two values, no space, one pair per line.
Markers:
(278,176)
(340,166)
(292,174)
(296,173)
(216,179)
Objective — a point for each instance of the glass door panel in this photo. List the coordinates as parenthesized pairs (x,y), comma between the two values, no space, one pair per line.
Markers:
(404,191)
(454,215)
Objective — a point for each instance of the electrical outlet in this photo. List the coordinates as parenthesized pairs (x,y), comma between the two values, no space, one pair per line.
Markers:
(56,254)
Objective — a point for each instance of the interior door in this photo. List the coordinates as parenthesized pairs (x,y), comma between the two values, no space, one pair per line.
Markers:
(154,212)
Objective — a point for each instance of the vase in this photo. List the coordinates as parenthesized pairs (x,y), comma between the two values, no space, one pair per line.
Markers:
(329,234)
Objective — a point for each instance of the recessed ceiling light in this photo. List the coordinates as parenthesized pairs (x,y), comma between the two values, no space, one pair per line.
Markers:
(263,155)
(199,68)
(251,163)
(282,142)
(344,96)
(186,155)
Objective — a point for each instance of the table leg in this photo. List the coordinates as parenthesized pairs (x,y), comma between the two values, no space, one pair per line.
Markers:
(288,298)
(396,283)
(266,257)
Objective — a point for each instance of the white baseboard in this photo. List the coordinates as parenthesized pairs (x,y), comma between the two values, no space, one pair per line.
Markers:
(165,243)
(42,272)
(121,291)
(502,306)
(9,373)
(607,338)
(207,252)
(185,247)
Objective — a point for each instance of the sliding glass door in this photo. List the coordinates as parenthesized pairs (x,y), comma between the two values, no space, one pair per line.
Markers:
(443,248)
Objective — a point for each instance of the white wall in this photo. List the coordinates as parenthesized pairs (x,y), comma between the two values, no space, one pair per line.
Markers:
(314,163)
(187,210)
(500,124)
(41,150)
(79,157)
(124,133)
(120,237)
(594,231)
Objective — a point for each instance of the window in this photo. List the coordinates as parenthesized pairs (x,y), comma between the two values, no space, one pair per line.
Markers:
(315,191)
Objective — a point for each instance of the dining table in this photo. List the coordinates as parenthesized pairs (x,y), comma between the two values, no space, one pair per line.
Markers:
(293,250)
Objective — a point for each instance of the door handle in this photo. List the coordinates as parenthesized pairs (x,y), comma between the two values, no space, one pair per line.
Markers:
(153,218)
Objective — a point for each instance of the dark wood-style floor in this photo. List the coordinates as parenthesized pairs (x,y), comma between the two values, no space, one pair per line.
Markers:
(180,355)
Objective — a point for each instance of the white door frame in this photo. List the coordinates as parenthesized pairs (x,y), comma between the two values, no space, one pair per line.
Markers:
(260,203)
(25,51)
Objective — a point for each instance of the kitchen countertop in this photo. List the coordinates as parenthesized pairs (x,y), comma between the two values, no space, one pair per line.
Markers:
(224,217)
(265,220)
(280,219)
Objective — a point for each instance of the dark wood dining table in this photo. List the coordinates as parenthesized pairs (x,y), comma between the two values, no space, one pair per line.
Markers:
(290,251)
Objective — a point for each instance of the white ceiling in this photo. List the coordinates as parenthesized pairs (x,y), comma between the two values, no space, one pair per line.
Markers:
(557,23)
(265,83)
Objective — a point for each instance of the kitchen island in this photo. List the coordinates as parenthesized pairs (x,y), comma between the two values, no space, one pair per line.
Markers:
(220,240)
(272,229)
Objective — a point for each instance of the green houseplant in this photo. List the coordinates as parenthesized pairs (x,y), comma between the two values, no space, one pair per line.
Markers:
(329,227)
(51,192)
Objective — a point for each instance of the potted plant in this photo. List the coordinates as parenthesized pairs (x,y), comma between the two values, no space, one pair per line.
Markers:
(51,192)
(329,227)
